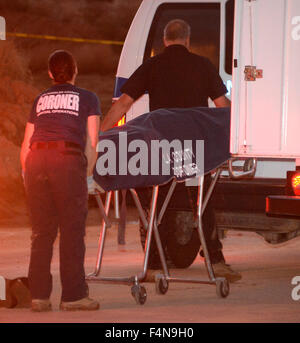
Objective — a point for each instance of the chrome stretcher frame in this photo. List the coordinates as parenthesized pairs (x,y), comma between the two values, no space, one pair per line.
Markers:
(162,280)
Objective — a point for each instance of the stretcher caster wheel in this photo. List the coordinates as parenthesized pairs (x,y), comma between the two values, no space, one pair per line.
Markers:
(161,284)
(139,293)
(222,287)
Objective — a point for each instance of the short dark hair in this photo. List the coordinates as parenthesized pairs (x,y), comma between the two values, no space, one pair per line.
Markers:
(62,65)
(177,29)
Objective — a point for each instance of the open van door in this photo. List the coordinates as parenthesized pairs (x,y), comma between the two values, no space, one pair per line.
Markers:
(265,98)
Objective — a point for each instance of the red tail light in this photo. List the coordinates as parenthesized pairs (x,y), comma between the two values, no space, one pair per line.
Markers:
(293,183)
(296,184)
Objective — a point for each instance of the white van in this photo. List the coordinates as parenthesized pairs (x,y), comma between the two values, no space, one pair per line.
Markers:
(266,33)
(255,45)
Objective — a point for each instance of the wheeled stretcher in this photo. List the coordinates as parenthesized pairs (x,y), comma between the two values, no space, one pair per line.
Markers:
(166,125)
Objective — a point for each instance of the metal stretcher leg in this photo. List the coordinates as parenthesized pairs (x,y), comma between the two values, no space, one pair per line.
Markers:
(102,210)
(200,230)
(166,202)
(101,236)
(155,230)
(139,208)
(122,219)
(138,291)
(222,285)
(150,230)
(116,203)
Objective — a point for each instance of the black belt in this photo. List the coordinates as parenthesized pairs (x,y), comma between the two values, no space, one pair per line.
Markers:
(54,145)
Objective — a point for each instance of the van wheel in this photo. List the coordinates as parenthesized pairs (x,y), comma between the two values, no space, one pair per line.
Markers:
(183,243)
(179,238)
(154,259)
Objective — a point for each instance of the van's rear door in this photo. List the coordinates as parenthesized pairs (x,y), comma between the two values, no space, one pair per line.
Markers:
(266,74)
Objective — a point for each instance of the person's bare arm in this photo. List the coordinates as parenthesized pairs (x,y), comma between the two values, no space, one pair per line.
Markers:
(118,109)
(222,101)
(25,148)
(93,123)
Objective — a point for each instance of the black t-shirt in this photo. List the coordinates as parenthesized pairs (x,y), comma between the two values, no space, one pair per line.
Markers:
(60,114)
(176,78)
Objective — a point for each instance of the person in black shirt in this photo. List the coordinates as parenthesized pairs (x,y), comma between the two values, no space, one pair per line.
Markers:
(177,78)
(57,155)
(174,78)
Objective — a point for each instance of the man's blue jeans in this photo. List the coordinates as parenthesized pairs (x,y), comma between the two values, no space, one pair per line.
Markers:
(55,182)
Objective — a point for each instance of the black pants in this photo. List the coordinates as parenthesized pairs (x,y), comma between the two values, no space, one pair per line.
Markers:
(55,181)
(214,245)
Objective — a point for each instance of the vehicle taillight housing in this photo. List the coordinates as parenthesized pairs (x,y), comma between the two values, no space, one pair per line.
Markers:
(293,182)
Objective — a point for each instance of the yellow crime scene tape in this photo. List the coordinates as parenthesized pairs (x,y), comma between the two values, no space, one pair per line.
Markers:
(68,39)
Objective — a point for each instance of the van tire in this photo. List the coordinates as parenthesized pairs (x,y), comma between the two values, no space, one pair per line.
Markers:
(183,243)
(179,239)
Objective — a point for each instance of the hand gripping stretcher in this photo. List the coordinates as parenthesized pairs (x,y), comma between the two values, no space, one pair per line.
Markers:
(187,127)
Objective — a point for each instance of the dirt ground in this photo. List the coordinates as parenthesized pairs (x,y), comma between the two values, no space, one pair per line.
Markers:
(263,295)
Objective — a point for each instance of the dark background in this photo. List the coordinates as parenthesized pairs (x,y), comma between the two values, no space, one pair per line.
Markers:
(23,70)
